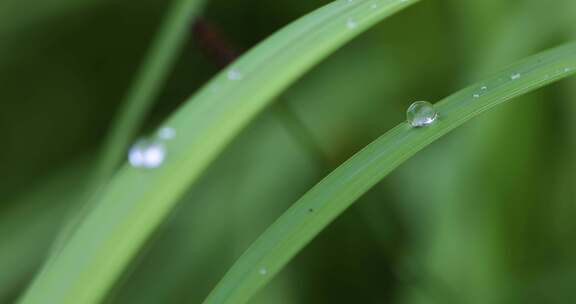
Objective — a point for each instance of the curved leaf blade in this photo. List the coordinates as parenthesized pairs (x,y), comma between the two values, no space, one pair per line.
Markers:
(341,188)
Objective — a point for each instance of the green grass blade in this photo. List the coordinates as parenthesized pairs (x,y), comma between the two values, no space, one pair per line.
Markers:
(136,201)
(150,79)
(329,198)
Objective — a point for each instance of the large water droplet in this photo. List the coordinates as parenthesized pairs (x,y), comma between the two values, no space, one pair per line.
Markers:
(421,113)
(147,154)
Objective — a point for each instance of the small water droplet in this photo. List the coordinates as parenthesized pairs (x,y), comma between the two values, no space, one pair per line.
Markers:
(351,24)
(421,113)
(234,74)
(147,154)
(567,70)
(476,95)
(263,271)
(214,88)
(484,88)
(166,133)
(515,76)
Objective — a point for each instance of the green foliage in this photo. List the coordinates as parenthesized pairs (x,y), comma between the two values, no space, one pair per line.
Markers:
(482,216)
(155,69)
(136,201)
(334,194)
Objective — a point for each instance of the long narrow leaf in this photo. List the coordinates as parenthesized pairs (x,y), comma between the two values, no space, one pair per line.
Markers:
(329,198)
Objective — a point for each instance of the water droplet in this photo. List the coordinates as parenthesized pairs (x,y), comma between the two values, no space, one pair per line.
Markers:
(351,24)
(166,133)
(214,88)
(484,88)
(476,95)
(263,271)
(234,74)
(567,70)
(147,154)
(421,113)
(515,76)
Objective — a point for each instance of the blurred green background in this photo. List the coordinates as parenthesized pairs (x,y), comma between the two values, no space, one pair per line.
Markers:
(485,215)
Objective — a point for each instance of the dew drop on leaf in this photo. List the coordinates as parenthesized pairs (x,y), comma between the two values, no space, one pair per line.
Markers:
(147,154)
(421,113)
(234,74)
(351,24)
(166,133)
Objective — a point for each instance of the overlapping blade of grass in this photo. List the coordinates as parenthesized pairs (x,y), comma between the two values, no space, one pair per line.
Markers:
(136,201)
(322,204)
(150,79)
